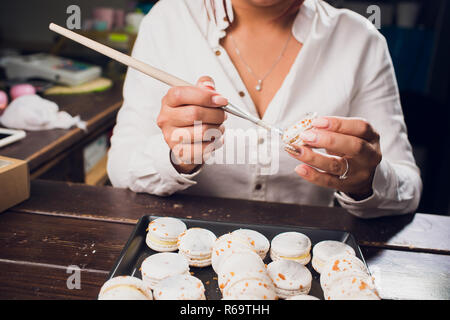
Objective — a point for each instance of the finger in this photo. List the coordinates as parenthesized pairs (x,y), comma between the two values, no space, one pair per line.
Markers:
(185,116)
(180,96)
(194,153)
(336,142)
(330,164)
(206,82)
(356,127)
(197,133)
(322,179)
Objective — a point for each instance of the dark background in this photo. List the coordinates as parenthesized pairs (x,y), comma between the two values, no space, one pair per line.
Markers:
(419,51)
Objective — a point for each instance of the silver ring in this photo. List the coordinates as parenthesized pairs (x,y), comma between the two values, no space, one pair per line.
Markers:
(344,175)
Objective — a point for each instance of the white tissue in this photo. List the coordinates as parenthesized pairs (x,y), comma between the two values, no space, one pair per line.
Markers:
(31,112)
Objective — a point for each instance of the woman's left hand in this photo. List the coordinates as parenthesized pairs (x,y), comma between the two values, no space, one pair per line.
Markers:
(351,140)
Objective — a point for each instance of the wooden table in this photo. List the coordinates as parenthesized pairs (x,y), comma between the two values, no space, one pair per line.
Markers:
(66,224)
(45,150)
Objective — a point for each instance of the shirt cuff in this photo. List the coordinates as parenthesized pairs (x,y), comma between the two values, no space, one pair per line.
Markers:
(382,187)
(153,160)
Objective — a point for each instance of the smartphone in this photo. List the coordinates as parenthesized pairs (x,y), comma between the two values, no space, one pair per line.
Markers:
(8,136)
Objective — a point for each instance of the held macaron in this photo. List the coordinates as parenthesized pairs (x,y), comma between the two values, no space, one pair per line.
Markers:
(162,235)
(180,287)
(291,135)
(325,250)
(125,288)
(259,241)
(290,278)
(293,246)
(196,244)
(163,265)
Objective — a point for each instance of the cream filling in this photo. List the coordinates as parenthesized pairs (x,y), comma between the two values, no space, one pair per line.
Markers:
(161,242)
(306,255)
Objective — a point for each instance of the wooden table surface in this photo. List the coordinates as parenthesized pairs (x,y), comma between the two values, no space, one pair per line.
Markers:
(98,109)
(65,224)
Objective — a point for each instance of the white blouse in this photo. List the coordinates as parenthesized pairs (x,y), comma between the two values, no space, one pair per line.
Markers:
(343,69)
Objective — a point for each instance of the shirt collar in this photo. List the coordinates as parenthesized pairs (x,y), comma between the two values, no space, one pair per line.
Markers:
(300,28)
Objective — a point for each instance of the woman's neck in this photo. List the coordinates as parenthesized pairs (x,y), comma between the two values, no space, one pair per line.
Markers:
(257,18)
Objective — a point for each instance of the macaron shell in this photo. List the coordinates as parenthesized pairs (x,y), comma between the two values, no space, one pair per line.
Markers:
(250,289)
(162,265)
(167,228)
(259,241)
(196,242)
(326,250)
(290,245)
(125,288)
(291,135)
(227,245)
(180,287)
(290,275)
(239,263)
(353,288)
(302,297)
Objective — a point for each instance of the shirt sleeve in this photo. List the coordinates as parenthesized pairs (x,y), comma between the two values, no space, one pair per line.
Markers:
(139,158)
(397,185)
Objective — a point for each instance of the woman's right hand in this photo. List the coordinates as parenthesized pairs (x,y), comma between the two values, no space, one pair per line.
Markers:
(181,107)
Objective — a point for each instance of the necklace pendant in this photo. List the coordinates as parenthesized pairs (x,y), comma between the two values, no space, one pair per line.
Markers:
(259,85)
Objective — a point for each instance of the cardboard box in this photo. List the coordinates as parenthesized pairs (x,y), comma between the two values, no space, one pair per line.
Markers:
(14,182)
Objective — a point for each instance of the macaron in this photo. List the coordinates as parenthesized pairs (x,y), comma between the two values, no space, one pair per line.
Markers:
(302,297)
(227,245)
(237,264)
(258,240)
(353,288)
(291,135)
(325,250)
(196,244)
(163,234)
(339,267)
(125,288)
(250,286)
(180,287)
(163,265)
(293,246)
(289,277)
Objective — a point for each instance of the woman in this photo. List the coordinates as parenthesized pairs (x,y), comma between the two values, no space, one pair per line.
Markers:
(278,59)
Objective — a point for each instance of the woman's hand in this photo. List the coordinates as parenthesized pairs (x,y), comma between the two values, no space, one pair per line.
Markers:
(180,108)
(351,138)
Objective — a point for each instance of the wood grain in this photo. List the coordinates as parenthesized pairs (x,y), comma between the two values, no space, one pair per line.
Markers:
(61,241)
(33,281)
(419,232)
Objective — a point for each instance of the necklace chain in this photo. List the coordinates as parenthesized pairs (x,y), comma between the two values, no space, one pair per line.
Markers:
(260,80)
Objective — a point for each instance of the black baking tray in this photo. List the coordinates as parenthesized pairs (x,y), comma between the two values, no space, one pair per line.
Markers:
(136,250)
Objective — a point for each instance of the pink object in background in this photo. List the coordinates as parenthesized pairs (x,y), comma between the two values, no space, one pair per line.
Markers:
(21,90)
(119,19)
(3,100)
(104,14)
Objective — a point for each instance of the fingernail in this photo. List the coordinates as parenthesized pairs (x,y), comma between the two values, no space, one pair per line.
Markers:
(209,85)
(219,100)
(320,123)
(291,150)
(226,116)
(301,170)
(308,136)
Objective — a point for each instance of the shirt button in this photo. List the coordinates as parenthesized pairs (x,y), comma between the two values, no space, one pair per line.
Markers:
(242,93)
(258,186)
(218,52)
(261,140)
